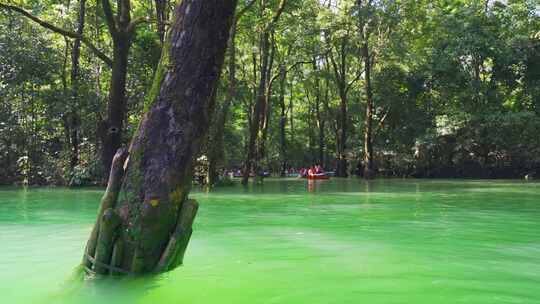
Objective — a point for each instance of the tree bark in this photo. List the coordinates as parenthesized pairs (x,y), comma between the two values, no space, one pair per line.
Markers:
(154,213)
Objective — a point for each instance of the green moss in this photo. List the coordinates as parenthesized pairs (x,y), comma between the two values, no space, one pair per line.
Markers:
(159,75)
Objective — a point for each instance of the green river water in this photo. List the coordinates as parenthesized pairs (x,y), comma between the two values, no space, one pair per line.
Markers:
(287,241)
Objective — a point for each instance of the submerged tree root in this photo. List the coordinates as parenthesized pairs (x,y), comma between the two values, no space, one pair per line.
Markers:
(105,248)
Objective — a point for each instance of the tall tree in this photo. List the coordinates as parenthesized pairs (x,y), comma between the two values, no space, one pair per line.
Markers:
(260,107)
(144,222)
(121,29)
(364,32)
(340,67)
(215,147)
(73,116)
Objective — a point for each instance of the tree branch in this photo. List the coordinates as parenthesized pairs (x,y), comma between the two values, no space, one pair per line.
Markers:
(109,18)
(60,31)
(287,70)
(138,21)
(381,121)
(277,14)
(355,79)
(244,10)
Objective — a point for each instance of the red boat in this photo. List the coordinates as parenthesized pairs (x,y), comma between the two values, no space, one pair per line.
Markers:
(318,176)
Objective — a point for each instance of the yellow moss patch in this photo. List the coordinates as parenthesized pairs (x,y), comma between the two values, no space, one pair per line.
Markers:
(154,202)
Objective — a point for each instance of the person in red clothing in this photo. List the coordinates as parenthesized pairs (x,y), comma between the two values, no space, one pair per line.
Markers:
(311,171)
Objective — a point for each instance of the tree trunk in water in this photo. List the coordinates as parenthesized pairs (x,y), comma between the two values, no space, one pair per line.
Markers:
(144,223)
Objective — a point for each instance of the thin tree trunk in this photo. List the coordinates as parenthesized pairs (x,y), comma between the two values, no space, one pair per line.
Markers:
(111,128)
(252,135)
(282,121)
(161,18)
(216,149)
(144,223)
(368,124)
(340,72)
(368,131)
(74,117)
(122,29)
(291,113)
(252,163)
(341,169)
(259,117)
(318,115)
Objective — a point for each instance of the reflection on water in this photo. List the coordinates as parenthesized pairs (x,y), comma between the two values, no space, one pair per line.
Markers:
(290,241)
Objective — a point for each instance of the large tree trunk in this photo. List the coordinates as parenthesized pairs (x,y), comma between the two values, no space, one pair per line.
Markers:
(145,219)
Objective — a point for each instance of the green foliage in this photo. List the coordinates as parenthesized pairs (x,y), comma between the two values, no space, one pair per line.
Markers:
(455,83)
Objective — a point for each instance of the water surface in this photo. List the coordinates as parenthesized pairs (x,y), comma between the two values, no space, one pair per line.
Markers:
(337,241)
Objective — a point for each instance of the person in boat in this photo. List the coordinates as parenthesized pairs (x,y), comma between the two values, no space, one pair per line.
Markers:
(311,171)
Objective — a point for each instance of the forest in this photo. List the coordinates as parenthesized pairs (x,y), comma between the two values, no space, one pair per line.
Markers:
(372,88)
(318,151)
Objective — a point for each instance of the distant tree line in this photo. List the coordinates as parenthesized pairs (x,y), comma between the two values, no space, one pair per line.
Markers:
(443,88)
